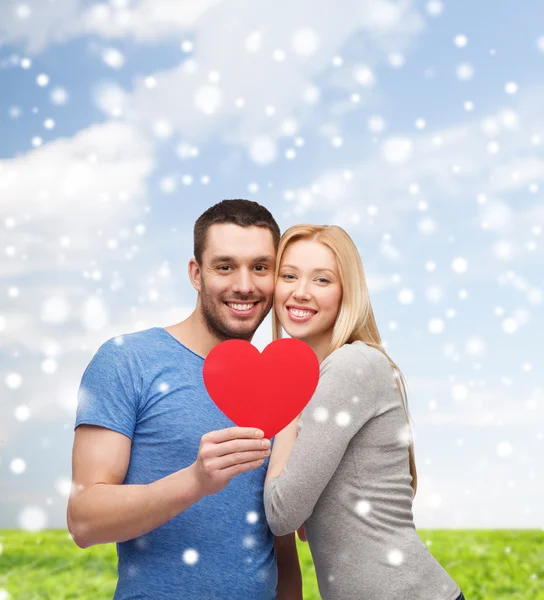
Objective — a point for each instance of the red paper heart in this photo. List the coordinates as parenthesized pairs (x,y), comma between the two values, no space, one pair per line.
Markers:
(265,390)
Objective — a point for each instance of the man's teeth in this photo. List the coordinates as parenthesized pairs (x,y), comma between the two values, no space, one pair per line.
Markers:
(301,313)
(241,306)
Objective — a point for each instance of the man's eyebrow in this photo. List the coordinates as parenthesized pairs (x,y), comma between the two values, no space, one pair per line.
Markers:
(264,258)
(229,259)
(220,259)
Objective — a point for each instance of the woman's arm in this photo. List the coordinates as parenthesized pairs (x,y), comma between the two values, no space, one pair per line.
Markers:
(281,449)
(327,425)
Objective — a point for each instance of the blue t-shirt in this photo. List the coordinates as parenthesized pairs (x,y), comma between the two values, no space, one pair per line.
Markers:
(149,387)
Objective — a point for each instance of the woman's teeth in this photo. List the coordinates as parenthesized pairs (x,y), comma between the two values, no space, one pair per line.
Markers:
(301,313)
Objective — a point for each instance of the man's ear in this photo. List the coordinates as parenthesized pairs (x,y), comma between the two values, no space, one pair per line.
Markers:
(195,274)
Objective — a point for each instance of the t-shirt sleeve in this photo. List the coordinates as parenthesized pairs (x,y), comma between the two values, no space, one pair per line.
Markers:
(110,389)
(345,399)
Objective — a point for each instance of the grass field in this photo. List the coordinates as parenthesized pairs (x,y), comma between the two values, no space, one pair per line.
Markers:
(488,565)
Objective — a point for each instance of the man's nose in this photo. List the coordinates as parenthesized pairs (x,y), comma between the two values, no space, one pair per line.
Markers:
(244,283)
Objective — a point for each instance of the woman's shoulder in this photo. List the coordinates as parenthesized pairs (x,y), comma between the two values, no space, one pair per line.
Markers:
(359,358)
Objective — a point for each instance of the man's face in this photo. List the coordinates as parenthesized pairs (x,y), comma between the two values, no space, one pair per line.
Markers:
(237,280)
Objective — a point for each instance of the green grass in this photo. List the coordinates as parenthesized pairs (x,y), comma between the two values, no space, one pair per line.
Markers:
(487,565)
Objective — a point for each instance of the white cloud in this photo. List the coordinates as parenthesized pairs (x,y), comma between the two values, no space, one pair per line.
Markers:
(480,406)
(147,20)
(46,23)
(156,20)
(221,47)
(60,194)
(193,106)
(57,22)
(448,164)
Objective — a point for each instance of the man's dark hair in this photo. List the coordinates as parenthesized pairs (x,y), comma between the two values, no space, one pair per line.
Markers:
(244,213)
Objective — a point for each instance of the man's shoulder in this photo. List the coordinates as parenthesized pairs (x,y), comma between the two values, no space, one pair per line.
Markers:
(132,344)
(135,338)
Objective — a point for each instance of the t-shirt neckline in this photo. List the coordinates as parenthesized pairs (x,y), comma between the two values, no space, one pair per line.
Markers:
(179,343)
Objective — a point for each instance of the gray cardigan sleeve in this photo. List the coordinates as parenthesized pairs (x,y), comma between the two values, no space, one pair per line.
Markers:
(345,399)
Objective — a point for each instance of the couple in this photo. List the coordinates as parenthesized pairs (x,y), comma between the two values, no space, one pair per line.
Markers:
(202,510)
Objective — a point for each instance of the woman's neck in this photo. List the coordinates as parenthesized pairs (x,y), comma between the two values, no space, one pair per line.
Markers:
(320,344)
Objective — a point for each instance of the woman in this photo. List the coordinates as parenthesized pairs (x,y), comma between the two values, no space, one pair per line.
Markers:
(350,477)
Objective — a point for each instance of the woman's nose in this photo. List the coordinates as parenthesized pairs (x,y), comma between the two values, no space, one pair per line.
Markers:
(301,294)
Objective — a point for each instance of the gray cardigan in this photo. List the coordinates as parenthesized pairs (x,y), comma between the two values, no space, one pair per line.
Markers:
(348,480)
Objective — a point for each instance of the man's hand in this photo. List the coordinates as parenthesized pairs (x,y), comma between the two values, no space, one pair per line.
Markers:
(302,534)
(226,453)
(289,575)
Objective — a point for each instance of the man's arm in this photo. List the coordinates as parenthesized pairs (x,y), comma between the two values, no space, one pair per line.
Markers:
(289,575)
(102,509)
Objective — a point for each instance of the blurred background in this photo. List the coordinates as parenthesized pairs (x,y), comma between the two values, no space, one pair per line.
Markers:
(415,125)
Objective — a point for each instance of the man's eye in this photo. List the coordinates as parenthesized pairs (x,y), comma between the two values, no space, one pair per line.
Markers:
(224,267)
(261,267)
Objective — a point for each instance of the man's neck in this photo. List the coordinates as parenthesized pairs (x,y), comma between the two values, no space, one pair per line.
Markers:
(194,334)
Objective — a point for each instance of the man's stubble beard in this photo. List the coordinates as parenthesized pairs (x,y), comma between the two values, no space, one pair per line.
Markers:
(217,326)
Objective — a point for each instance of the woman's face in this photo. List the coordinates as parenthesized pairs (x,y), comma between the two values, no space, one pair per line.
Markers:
(308,291)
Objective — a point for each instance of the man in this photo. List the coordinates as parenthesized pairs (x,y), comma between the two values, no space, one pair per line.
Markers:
(157,467)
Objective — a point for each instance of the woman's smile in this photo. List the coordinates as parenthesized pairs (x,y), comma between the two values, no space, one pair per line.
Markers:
(299,314)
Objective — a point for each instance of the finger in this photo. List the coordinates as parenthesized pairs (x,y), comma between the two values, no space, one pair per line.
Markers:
(240,446)
(238,458)
(231,433)
(241,468)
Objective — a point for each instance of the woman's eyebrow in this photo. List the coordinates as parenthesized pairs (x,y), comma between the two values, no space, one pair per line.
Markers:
(328,271)
(318,270)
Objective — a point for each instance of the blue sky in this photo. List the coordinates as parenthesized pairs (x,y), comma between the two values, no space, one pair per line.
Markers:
(417,126)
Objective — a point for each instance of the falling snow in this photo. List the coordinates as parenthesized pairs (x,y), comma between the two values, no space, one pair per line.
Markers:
(113,58)
(363,507)
(409,130)
(464,71)
(263,150)
(306,42)
(321,414)
(395,558)
(190,556)
(343,418)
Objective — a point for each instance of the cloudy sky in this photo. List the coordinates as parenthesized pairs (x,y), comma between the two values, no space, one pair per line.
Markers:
(416,125)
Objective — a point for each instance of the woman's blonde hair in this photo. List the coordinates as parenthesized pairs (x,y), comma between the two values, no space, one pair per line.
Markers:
(355,320)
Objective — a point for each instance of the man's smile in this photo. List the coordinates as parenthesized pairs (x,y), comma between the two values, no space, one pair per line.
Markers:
(243,309)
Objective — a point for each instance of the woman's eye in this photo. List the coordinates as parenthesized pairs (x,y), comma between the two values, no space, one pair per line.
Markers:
(287,276)
(322,279)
